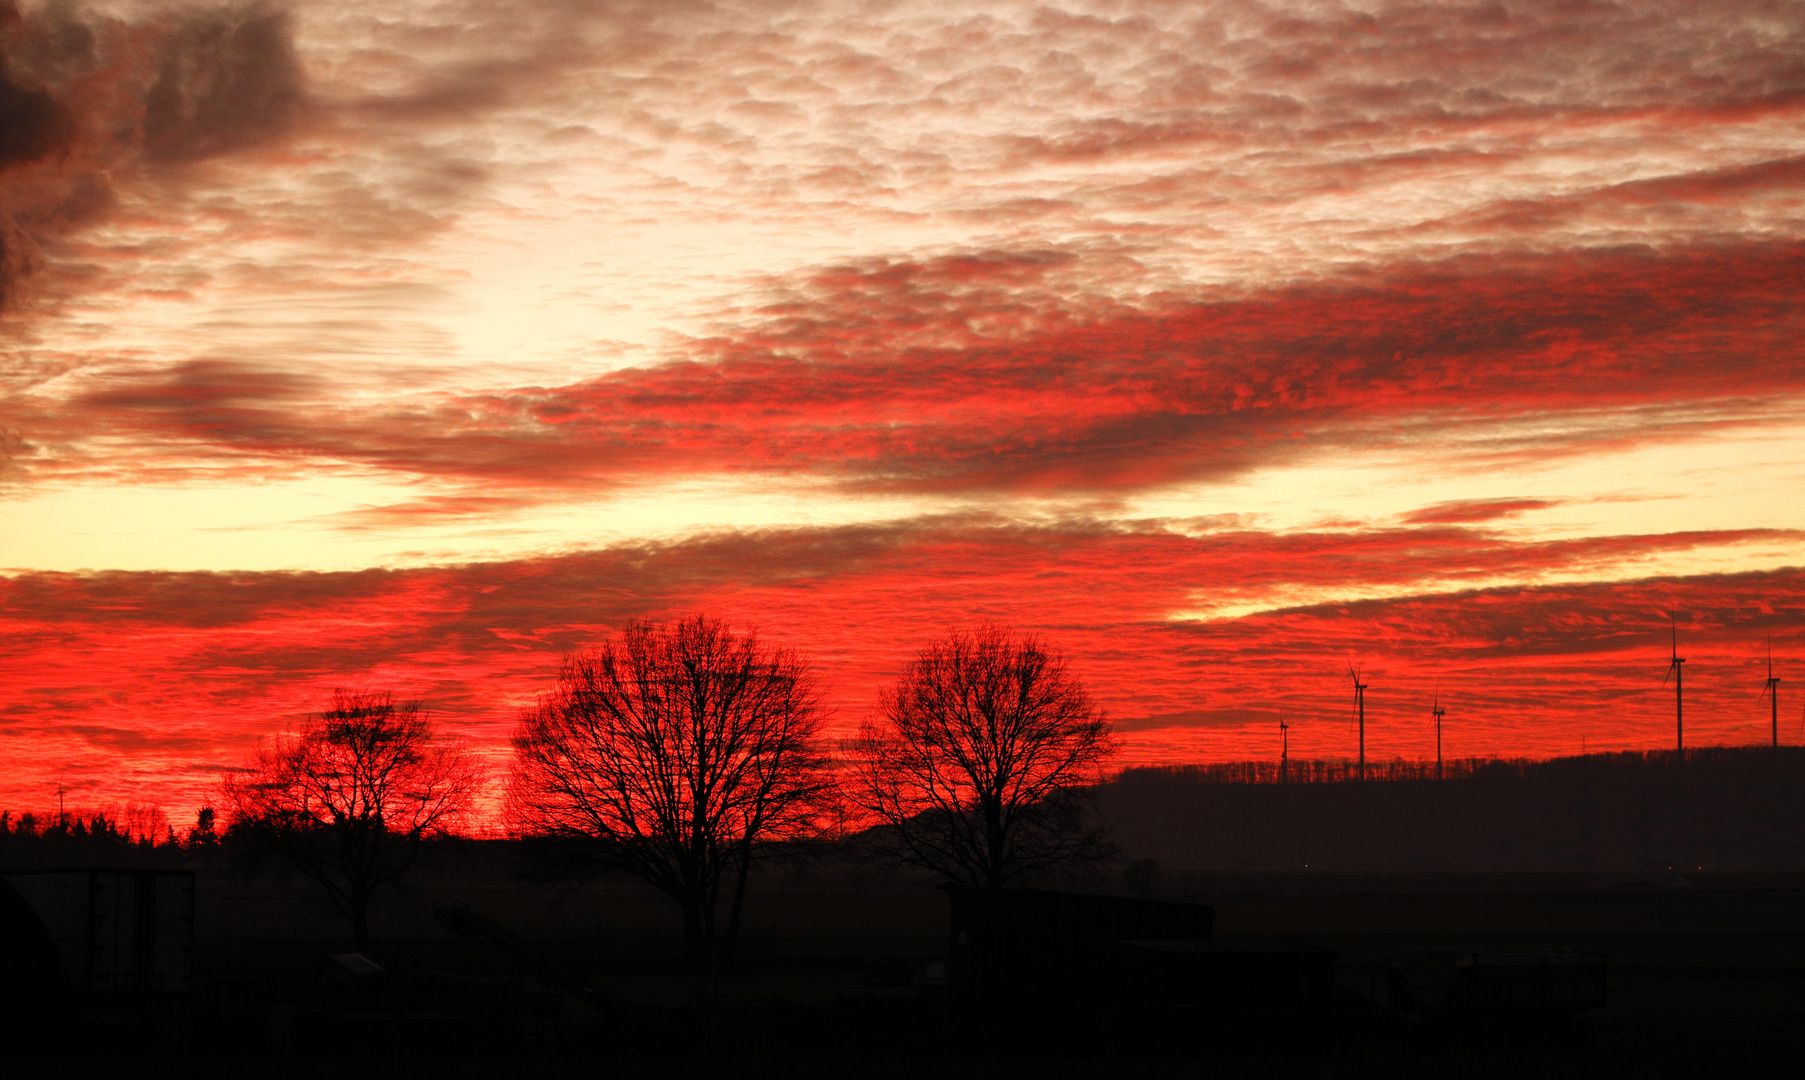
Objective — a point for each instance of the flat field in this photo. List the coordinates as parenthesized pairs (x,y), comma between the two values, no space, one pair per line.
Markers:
(1707,971)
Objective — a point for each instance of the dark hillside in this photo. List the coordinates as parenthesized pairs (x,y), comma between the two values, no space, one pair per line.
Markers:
(1729,808)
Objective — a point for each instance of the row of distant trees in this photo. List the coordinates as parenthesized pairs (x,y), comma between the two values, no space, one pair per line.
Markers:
(131,831)
(687,753)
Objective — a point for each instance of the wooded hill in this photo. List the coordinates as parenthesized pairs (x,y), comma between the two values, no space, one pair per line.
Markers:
(1717,808)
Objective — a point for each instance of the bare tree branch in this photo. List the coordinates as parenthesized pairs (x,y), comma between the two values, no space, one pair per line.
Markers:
(983,762)
(685,752)
(350,798)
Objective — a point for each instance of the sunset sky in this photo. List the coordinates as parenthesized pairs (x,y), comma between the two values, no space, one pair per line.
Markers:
(408,345)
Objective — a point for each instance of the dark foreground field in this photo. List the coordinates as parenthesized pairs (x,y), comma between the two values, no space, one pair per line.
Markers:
(1618,1049)
(1707,977)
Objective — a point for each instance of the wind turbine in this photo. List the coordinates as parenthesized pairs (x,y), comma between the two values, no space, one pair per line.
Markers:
(1284,751)
(1438,712)
(1674,670)
(1360,708)
(1771,690)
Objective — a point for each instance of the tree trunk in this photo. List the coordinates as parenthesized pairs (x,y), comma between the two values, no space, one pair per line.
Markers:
(993,845)
(360,926)
(739,896)
(695,935)
(711,930)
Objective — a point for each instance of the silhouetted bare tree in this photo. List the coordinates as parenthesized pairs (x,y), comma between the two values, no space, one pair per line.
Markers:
(680,753)
(350,798)
(983,763)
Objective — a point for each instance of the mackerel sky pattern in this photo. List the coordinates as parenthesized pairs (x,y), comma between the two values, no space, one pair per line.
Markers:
(405,345)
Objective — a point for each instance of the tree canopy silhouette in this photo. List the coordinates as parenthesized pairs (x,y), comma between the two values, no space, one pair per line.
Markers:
(350,798)
(681,753)
(982,764)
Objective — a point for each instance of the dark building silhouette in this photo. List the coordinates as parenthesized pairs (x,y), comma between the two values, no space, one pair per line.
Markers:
(1122,972)
(1010,941)
(33,981)
(118,933)
(98,950)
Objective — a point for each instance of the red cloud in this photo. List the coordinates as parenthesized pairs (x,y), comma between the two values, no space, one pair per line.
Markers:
(1469,511)
(1048,364)
(142,686)
(994,372)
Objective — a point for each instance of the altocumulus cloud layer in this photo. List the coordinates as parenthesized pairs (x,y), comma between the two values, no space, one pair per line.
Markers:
(152,682)
(96,103)
(874,377)
(1464,337)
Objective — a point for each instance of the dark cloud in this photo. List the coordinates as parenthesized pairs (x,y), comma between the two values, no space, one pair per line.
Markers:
(1303,77)
(18,257)
(90,101)
(229,79)
(33,125)
(415,512)
(133,742)
(1472,511)
(1706,200)
(200,386)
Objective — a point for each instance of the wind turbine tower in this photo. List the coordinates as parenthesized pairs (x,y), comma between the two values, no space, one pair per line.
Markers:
(1771,688)
(1360,710)
(1438,712)
(1284,751)
(1679,701)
